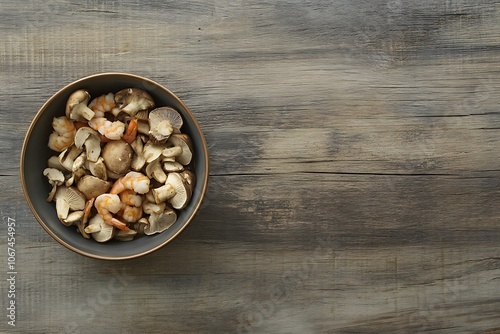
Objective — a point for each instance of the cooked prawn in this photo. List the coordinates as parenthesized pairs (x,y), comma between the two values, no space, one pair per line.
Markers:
(63,135)
(131,210)
(131,132)
(110,129)
(135,181)
(107,205)
(129,197)
(131,214)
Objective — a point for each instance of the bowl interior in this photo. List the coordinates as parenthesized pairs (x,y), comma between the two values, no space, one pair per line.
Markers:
(35,153)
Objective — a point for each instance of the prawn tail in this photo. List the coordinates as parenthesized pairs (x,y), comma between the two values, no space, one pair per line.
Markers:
(118,224)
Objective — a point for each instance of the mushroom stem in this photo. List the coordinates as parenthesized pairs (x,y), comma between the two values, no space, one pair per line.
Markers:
(163,193)
(94,228)
(171,152)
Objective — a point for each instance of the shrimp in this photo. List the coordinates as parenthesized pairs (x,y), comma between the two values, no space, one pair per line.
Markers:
(110,129)
(107,205)
(131,214)
(131,133)
(63,135)
(135,181)
(129,197)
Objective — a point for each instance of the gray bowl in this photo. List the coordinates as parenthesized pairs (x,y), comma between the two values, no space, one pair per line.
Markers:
(35,153)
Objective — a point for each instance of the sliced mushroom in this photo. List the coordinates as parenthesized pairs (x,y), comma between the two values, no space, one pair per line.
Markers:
(172,152)
(73,218)
(183,141)
(162,123)
(92,186)
(97,168)
(160,222)
(117,156)
(68,156)
(152,151)
(138,160)
(100,231)
(53,162)
(76,106)
(68,199)
(189,178)
(88,137)
(78,170)
(143,127)
(169,166)
(154,170)
(133,100)
(55,178)
(140,225)
(174,190)
(122,235)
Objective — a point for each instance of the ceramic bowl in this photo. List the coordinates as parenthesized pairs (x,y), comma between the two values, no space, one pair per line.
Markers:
(35,153)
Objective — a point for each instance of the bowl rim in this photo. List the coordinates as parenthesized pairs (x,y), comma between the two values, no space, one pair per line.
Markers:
(28,135)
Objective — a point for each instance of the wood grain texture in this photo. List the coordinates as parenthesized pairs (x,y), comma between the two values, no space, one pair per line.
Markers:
(354,165)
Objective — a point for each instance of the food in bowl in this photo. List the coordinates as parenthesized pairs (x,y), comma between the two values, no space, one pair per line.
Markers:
(121,165)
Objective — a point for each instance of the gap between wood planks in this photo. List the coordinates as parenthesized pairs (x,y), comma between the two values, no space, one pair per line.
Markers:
(464,176)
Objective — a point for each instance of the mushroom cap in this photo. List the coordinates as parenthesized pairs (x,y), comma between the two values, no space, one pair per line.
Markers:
(133,100)
(182,140)
(68,198)
(182,193)
(117,156)
(92,186)
(163,122)
(77,97)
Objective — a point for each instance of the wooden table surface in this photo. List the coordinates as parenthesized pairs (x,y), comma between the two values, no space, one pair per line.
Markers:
(355,166)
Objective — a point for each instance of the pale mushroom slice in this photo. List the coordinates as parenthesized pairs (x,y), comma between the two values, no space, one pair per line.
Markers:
(159,222)
(169,166)
(68,156)
(132,100)
(182,141)
(140,225)
(155,171)
(55,178)
(68,199)
(189,178)
(138,159)
(152,151)
(163,122)
(92,186)
(117,156)
(98,168)
(73,218)
(88,137)
(53,162)
(78,170)
(174,190)
(100,231)
(122,235)
(76,106)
